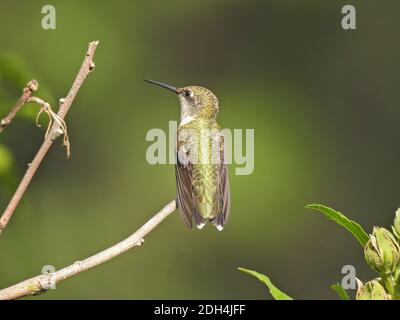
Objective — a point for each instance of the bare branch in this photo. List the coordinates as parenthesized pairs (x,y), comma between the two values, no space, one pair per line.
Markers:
(42,283)
(65,104)
(31,87)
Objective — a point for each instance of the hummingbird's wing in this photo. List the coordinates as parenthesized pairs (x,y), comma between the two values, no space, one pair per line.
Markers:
(224,191)
(183,173)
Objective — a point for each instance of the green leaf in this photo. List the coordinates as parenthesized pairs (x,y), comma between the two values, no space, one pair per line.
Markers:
(275,292)
(355,229)
(340,291)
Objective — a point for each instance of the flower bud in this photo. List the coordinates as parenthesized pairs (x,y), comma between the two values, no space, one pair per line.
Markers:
(372,290)
(382,251)
(396,225)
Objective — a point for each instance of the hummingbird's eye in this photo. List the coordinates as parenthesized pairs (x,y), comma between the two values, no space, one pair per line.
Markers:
(188,93)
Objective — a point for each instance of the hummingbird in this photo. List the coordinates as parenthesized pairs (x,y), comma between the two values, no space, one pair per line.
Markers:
(203,193)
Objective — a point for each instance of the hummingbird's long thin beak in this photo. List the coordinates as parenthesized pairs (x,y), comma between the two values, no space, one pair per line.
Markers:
(164,85)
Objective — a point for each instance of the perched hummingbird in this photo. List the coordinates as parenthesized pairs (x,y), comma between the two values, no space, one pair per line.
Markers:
(202,183)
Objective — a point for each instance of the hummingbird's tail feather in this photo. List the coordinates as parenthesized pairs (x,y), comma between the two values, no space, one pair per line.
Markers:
(199,220)
(219,222)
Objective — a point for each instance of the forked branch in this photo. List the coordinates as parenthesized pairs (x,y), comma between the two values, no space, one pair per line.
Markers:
(55,130)
(30,88)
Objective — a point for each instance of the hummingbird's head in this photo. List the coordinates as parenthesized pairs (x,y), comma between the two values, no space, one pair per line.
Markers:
(195,101)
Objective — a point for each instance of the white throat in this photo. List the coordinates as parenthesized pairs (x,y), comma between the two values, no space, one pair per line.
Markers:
(186,120)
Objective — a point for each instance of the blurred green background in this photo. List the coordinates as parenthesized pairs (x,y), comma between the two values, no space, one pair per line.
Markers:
(323,103)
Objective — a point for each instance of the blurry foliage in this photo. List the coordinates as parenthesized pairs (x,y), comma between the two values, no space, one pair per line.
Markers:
(6,160)
(323,103)
(382,254)
(14,75)
(7,170)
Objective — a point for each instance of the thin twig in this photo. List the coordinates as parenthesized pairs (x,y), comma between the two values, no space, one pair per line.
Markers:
(31,87)
(65,104)
(42,283)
